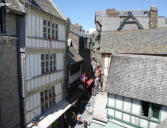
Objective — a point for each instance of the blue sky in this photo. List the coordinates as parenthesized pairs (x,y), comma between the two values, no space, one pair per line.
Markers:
(83,11)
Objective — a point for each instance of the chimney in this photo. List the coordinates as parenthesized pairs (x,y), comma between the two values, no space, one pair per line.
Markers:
(153,17)
(112,12)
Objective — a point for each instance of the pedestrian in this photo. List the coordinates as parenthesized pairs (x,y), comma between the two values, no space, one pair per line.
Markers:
(73,118)
(94,91)
(79,118)
(85,124)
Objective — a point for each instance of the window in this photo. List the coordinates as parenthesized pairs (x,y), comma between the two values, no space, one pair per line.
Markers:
(2,18)
(145,108)
(155,111)
(45,29)
(47,98)
(48,28)
(55,31)
(48,63)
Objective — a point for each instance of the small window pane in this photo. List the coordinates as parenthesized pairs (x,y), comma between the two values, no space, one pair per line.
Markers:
(155,111)
(46,94)
(44,22)
(145,108)
(48,23)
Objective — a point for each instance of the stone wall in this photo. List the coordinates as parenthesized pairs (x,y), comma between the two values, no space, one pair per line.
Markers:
(11,23)
(153,16)
(9,95)
(75,28)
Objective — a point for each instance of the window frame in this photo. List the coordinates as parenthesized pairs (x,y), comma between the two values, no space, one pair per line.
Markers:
(50,30)
(49,100)
(48,63)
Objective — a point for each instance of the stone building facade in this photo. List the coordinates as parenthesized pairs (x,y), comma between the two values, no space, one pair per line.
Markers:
(10,112)
(9,92)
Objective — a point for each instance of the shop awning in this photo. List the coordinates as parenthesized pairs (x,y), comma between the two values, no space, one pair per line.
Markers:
(53,114)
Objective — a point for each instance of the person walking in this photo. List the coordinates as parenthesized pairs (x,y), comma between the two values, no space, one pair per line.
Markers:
(79,118)
(85,124)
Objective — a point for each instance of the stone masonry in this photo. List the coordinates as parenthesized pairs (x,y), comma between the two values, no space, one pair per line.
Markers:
(153,16)
(9,95)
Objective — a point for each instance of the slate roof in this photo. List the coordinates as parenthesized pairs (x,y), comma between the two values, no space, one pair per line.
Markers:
(73,56)
(80,34)
(122,13)
(138,77)
(47,6)
(151,41)
(15,5)
(110,23)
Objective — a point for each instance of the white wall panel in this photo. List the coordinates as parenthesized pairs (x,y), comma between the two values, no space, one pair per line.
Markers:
(41,27)
(31,65)
(111,112)
(37,23)
(153,125)
(29,24)
(111,100)
(118,114)
(126,117)
(31,102)
(136,107)
(127,104)
(39,110)
(28,85)
(27,104)
(28,117)
(32,84)
(135,120)
(143,123)
(36,82)
(33,25)
(163,113)
(119,102)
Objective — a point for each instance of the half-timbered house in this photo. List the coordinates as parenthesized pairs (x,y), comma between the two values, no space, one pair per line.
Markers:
(42,37)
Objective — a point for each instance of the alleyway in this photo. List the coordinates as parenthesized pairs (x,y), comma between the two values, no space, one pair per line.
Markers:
(85,115)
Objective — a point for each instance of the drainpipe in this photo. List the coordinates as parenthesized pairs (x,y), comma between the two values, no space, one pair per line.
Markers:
(21,88)
(21,68)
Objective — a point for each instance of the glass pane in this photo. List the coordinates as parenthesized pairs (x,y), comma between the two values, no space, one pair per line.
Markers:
(48,23)
(155,111)
(44,22)
(54,56)
(48,30)
(46,106)
(44,35)
(42,96)
(53,25)
(145,108)
(42,108)
(46,94)
(44,29)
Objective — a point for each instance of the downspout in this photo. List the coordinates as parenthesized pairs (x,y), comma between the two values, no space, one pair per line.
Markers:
(21,60)
(21,88)
(65,58)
